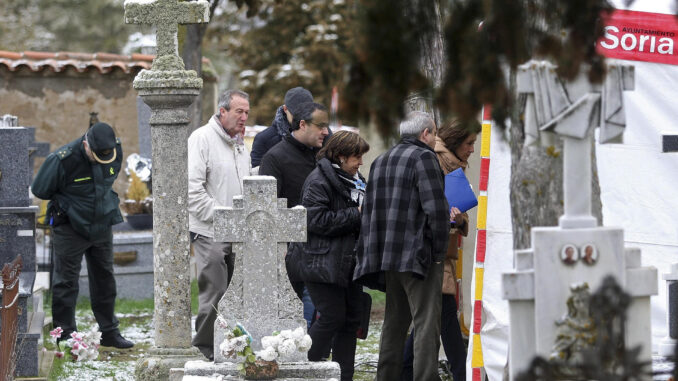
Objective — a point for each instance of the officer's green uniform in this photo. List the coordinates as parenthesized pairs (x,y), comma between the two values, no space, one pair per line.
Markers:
(82,207)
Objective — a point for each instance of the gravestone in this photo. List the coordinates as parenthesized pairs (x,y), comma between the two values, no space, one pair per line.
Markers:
(668,344)
(144,128)
(35,149)
(260,296)
(168,89)
(132,265)
(17,236)
(550,275)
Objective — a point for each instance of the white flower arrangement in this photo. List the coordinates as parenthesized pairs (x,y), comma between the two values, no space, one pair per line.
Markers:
(85,346)
(237,342)
(283,344)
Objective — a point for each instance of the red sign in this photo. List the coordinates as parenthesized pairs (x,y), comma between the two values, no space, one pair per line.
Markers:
(639,36)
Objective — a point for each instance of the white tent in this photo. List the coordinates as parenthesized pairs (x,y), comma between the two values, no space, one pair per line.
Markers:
(637,185)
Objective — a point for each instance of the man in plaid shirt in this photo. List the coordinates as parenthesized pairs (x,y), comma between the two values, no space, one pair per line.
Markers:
(404,237)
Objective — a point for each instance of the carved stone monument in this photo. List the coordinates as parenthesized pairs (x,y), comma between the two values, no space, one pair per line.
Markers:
(578,250)
(17,235)
(260,296)
(168,89)
(8,315)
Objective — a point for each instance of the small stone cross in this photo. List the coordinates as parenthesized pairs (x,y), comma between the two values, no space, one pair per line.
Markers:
(260,296)
(165,15)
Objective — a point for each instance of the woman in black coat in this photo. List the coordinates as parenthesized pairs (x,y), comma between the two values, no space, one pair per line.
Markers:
(332,196)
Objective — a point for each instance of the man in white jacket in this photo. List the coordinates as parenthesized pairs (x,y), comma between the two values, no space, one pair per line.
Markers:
(217,163)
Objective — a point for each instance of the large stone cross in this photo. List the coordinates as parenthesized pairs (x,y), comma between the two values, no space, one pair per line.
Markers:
(260,296)
(572,110)
(165,15)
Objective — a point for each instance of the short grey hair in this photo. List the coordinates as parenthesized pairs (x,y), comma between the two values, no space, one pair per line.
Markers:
(227,96)
(415,123)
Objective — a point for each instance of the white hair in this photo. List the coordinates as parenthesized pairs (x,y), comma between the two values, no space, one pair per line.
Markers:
(415,123)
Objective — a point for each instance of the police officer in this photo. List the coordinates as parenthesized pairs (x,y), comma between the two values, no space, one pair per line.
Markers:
(77,179)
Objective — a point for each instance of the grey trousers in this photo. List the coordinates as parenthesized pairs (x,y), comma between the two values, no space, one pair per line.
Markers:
(215,262)
(411,299)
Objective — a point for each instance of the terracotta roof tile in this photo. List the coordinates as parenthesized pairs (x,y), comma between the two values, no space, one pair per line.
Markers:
(82,62)
(10,55)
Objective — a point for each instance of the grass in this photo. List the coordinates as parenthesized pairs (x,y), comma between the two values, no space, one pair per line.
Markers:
(114,364)
(135,323)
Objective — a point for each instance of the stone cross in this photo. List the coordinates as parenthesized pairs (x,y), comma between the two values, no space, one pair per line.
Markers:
(165,15)
(572,110)
(260,296)
(169,90)
(563,258)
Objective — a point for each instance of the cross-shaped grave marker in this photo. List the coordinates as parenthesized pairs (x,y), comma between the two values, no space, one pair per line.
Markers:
(260,296)
(165,15)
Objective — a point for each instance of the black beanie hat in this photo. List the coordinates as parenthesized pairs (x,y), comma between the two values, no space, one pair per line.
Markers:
(295,97)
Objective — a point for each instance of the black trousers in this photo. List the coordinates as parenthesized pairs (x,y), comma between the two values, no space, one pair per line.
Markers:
(339,309)
(450,335)
(69,248)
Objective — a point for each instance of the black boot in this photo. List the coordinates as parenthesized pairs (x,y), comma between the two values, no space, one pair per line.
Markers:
(115,339)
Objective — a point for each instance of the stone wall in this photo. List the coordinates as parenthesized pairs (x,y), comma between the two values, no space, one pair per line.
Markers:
(58,104)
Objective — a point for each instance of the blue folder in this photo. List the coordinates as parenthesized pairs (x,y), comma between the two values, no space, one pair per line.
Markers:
(458,191)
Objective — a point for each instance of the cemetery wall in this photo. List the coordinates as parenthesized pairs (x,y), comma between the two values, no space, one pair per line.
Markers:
(55,92)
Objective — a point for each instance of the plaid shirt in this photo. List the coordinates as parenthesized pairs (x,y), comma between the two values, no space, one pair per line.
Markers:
(405,217)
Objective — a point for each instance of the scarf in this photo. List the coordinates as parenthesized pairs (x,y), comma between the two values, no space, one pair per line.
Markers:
(280,122)
(237,142)
(447,159)
(355,184)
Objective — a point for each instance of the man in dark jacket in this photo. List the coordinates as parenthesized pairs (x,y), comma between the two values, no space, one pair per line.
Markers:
(404,237)
(281,125)
(77,179)
(290,162)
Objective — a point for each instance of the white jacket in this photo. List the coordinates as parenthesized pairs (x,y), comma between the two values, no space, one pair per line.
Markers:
(217,165)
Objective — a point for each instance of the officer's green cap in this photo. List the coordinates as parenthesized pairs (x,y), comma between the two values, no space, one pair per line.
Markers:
(101,140)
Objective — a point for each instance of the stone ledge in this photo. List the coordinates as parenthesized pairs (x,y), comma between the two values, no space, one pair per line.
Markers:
(290,371)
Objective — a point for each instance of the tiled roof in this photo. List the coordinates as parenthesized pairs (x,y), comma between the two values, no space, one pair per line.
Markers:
(81,62)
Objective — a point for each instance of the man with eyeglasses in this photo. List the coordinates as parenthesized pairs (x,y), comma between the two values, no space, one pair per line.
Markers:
(290,162)
(77,179)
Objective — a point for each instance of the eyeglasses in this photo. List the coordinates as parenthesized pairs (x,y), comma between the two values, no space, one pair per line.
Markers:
(321,125)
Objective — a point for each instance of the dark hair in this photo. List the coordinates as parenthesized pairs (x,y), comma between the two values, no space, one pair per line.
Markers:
(453,133)
(343,143)
(305,112)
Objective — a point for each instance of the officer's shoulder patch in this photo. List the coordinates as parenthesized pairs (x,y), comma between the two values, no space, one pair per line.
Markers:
(118,141)
(63,153)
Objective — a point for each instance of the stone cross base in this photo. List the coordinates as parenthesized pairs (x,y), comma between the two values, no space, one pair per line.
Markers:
(537,289)
(156,366)
(290,371)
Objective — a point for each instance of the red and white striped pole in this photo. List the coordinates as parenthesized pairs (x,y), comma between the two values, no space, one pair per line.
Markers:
(477,362)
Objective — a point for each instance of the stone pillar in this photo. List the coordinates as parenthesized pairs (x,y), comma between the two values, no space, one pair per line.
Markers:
(577,184)
(168,89)
(169,94)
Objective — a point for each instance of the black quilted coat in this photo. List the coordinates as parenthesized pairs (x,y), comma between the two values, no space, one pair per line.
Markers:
(328,256)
